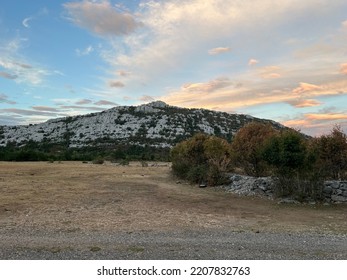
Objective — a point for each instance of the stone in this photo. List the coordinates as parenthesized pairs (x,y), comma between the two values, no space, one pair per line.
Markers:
(327,189)
(288,200)
(338,198)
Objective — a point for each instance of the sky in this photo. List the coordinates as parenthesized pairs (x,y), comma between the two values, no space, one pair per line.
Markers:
(282,60)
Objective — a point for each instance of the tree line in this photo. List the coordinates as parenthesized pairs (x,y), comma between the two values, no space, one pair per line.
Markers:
(299,163)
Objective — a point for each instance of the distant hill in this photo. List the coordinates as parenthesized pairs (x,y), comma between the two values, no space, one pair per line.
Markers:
(154,124)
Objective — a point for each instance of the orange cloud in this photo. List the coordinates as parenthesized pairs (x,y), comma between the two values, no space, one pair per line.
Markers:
(306,87)
(326,117)
(210,86)
(302,103)
(343,68)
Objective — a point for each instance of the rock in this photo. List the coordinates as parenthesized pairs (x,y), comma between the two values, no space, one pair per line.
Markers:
(288,200)
(338,198)
(327,190)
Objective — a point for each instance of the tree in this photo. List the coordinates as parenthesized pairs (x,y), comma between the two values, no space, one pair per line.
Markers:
(293,163)
(248,145)
(331,151)
(201,158)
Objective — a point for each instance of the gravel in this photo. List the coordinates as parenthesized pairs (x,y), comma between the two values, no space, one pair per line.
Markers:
(167,245)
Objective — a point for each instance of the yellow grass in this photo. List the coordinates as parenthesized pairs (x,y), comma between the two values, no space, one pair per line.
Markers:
(73,197)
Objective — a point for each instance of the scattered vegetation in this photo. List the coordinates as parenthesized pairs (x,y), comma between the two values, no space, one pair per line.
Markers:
(300,164)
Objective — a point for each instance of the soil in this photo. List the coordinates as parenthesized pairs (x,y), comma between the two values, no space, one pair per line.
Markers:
(75,210)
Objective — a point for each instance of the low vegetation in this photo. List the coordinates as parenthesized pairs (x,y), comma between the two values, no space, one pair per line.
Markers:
(300,164)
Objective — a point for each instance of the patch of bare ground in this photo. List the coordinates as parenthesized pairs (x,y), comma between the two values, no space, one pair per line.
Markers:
(78,198)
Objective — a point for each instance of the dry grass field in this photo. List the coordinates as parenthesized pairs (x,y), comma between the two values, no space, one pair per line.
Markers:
(74,197)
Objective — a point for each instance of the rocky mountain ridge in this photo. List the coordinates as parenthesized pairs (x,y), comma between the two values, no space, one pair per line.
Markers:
(155,124)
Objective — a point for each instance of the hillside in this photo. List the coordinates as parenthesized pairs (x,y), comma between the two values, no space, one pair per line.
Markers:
(155,124)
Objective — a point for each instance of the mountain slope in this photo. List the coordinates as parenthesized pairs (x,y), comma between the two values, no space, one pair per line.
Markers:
(155,124)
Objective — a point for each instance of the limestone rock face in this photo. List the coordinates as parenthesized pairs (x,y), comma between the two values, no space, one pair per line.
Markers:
(155,124)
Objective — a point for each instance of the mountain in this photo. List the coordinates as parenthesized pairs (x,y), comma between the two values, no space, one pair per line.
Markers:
(154,124)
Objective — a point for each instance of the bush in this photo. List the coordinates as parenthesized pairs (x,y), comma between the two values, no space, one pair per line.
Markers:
(294,166)
(98,160)
(202,158)
(331,153)
(248,145)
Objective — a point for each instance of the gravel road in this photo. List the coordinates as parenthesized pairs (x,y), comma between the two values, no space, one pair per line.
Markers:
(206,244)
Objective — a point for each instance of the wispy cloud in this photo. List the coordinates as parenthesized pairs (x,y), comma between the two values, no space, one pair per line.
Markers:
(87,51)
(105,102)
(4,99)
(146,98)
(8,76)
(302,103)
(83,102)
(17,67)
(116,84)
(219,50)
(26,21)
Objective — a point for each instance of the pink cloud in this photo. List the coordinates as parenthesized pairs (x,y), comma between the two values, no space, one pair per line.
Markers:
(252,62)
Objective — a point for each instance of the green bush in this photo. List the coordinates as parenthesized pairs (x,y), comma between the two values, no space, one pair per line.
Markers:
(294,166)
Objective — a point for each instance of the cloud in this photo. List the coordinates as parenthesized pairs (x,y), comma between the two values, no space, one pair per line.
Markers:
(8,76)
(26,112)
(219,50)
(25,22)
(83,102)
(270,72)
(4,99)
(208,87)
(101,18)
(116,84)
(146,98)
(252,62)
(302,103)
(45,109)
(87,51)
(306,87)
(343,68)
(344,24)
(123,73)
(105,102)
(18,68)
(326,117)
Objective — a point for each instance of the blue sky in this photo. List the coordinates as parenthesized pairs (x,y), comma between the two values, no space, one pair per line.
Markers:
(282,60)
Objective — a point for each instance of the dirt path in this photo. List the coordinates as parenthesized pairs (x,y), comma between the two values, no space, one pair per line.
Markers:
(48,205)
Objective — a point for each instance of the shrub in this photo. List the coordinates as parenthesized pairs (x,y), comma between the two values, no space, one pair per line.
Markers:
(248,145)
(294,165)
(201,158)
(331,152)
(98,160)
